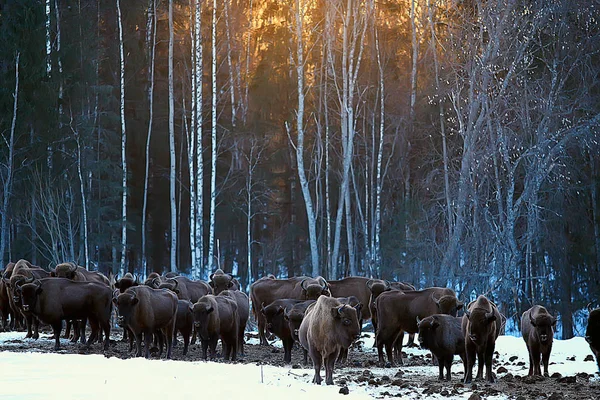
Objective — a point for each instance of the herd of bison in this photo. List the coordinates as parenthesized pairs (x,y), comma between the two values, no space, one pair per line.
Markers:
(324,317)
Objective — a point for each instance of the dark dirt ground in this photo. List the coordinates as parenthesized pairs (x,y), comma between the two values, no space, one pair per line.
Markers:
(362,371)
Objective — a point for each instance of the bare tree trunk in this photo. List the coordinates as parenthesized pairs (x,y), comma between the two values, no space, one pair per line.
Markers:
(230,63)
(379,180)
(9,173)
(213,171)
(199,203)
(299,147)
(172,158)
(48,39)
(83,200)
(123,145)
(151,14)
(595,211)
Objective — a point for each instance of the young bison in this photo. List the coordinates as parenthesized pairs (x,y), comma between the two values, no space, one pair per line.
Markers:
(328,327)
(536,326)
(442,335)
(214,317)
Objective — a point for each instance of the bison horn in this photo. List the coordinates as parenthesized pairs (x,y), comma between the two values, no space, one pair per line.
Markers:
(176,282)
(303,284)
(262,307)
(341,309)
(388,285)
(72,267)
(589,307)
(436,301)
(530,318)
(418,320)
(210,278)
(137,282)
(468,314)
(370,283)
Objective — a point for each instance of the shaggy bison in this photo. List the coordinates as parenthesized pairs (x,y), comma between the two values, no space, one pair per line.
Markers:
(142,309)
(217,317)
(397,312)
(243,308)
(537,328)
(592,332)
(53,300)
(268,289)
(481,326)
(442,334)
(328,327)
(220,281)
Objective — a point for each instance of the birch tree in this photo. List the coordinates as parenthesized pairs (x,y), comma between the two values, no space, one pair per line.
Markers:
(123,143)
(299,145)
(199,199)
(172,169)
(213,169)
(7,189)
(152,17)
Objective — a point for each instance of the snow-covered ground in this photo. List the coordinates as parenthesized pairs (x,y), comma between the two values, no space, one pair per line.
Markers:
(33,375)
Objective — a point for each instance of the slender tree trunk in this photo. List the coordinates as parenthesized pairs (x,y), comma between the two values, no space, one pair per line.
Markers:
(9,173)
(230,63)
(48,39)
(213,171)
(191,145)
(172,158)
(442,119)
(152,25)
(123,145)
(310,213)
(595,211)
(379,179)
(199,203)
(86,245)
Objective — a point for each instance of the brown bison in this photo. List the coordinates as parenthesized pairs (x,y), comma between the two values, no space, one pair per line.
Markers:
(328,327)
(71,271)
(537,329)
(127,281)
(481,326)
(220,281)
(277,324)
(142,309)
(217,317)
(378,286)
(243,304)
(185,288)
(442,334)
(53,300)
(184,323)
(397,312)
(268,289)
(352,286)
(592,332)
(294,318)
(5,307)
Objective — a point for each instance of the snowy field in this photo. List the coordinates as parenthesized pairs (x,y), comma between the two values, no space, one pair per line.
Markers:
(34,375)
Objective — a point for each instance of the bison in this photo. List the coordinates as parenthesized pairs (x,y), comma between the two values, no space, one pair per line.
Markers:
(397,312)
(142,309)
(53,300)
(243,307)
(481,326)
(185,288)
(442,334)
(220,281)
(537,329)
(327,328)
(71,271)
(592,332)
(184,323)
(217,317)
(127,281)
(277,324)
(352,301)
(268,289)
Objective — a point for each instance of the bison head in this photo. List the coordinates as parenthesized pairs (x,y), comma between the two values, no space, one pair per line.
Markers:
(29,292)
(15,284)
(378,286)
(126,304)
(312,288)
(170,284)
(203,312)
(153,280)
(275,317)
(427,330)
(220,281)
(448,305)
(347,328)
(479,326)
(543,325)
(294,319)
(126,282)
(66,270)
(592,333)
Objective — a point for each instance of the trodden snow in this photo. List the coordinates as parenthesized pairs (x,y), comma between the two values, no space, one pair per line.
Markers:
(35,375)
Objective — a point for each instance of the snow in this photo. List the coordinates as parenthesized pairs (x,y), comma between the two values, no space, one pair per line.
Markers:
(34,375)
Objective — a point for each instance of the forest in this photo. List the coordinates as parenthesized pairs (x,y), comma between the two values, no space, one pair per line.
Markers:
(438,142)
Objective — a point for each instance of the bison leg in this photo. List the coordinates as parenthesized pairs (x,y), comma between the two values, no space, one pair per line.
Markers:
(329,364)
(447,362)
(213,347)
(441,371)
(536,362)
(305,356)
(170,331)
(68,330)
(261,329)
(36,326)
(317,360)
(95,327)
(57,327)
(531,369)
(29,321)
(204,348)
(411,340)
(546,361)
(398,348)
(343,356)
(125,334)
(287,350)
(489,355)
(471,357)
(194,334)
(480,364)
(105,325)
(148,342)
(138,344)
(131,337)
(241,340)
(76,331)
(186,340)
